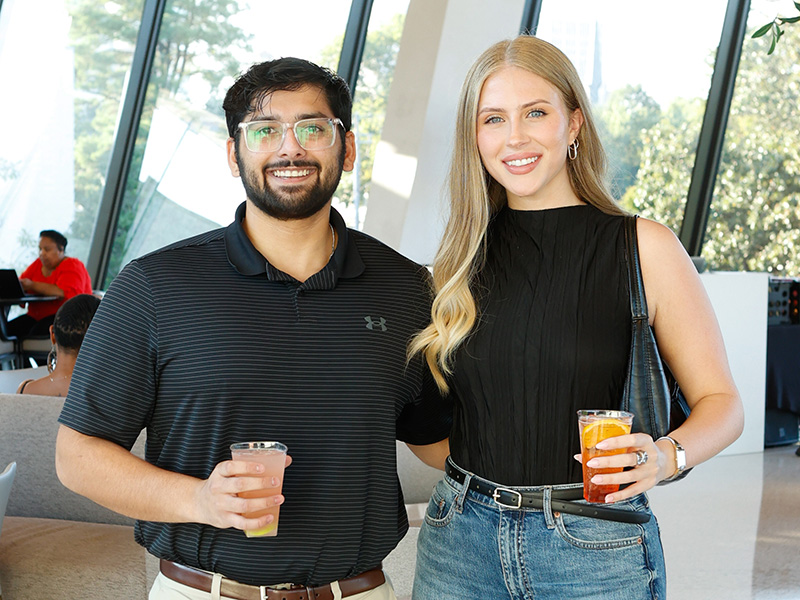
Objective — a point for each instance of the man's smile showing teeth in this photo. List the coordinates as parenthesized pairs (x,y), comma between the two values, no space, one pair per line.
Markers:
(292,173)
(521,162)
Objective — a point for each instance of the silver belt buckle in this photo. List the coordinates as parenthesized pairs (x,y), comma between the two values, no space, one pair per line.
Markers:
(496,497)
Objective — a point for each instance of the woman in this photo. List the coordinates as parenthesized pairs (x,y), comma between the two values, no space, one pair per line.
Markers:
(532,322)
(52,274)
(66,333)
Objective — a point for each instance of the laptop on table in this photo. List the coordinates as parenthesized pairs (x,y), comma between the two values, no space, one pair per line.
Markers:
(11,288)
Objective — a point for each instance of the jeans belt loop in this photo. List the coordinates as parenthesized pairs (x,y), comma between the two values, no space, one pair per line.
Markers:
(462,495)
(262,591)
(547,507)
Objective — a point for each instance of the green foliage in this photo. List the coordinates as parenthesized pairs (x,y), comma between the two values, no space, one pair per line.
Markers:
(754,222)
(196,40)
(369,103)
(622,118)
(103,38)
(665,168)
(774,29)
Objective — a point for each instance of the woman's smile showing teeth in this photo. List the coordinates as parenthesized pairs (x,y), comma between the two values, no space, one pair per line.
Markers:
(521,162)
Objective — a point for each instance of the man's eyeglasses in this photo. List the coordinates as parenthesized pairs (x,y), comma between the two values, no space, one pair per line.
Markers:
(311,134)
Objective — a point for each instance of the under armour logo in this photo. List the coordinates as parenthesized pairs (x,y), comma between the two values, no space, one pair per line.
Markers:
(374,324)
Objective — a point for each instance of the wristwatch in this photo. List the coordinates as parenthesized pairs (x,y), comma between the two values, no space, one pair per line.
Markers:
(680,459)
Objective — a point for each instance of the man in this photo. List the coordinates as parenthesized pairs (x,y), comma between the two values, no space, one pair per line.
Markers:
(284,326)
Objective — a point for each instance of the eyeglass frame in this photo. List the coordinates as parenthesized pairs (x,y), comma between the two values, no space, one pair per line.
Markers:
(293,126)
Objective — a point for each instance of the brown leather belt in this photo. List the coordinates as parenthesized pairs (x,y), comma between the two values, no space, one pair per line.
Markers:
(201,580)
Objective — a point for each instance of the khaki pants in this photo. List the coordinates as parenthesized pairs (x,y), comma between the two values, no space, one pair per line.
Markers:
(165,588)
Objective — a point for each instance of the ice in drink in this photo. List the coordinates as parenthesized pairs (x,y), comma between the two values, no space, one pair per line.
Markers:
(595,426)
(273,456)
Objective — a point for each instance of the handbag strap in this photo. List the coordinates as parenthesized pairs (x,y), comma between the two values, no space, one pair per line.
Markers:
(661,396)
(635,281)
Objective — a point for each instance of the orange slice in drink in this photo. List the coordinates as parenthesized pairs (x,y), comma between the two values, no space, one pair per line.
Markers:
(602,429)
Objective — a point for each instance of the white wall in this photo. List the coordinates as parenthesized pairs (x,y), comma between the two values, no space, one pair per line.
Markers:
(740,302)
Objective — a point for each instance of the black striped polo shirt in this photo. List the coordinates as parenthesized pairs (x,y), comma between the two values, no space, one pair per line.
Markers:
(204,344)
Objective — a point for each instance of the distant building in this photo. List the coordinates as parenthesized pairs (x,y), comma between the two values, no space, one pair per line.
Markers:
(580,41)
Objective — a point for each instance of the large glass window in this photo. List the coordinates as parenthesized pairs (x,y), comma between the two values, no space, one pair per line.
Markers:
(375,76)
(179,183)
(647,70)
(63,65)
(754,222)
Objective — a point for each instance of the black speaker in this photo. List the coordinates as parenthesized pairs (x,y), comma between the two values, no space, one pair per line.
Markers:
(782,302)
(781,427)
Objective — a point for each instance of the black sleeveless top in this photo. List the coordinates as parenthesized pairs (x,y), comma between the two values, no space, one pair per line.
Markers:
(553,337)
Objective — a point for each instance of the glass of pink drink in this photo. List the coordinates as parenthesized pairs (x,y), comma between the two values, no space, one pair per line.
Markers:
(273,456)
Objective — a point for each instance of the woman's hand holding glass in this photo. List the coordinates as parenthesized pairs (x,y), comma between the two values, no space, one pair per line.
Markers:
(644,465)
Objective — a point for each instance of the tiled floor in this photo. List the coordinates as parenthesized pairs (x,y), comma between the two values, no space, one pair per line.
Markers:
(731,529)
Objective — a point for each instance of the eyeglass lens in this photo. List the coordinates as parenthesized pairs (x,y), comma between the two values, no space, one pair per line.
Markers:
(311,134)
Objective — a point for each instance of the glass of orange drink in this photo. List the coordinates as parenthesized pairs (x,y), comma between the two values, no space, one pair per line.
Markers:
(273,456)
(595,426)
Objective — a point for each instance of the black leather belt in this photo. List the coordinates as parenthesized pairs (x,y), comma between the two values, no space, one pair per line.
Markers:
(560,499)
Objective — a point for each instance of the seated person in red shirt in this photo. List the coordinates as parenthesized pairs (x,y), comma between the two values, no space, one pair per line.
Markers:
(52,274)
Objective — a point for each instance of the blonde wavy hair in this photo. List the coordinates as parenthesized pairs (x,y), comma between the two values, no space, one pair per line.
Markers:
(475,196)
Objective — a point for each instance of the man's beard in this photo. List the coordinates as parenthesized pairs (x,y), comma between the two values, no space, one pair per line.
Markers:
(295,204)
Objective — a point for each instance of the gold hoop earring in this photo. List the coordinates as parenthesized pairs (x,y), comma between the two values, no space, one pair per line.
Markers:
(572,149)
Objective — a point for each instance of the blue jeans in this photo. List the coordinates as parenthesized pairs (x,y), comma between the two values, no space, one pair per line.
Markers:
(470,547)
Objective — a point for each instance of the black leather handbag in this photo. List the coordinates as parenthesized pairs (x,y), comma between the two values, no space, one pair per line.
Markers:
(651,392)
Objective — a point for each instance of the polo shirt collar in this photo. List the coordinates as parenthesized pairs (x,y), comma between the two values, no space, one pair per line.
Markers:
(244,257)
(346,258)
